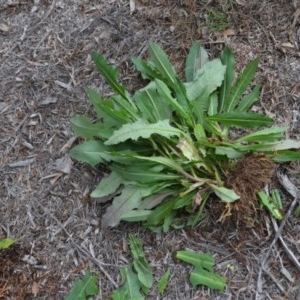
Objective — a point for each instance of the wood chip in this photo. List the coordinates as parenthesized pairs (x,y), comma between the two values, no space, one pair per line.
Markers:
(22,163)
(4,28)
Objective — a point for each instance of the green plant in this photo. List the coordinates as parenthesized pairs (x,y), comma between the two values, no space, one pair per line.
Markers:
(203,272)
(137,277)
(8,242)
(163,282)
(218,20)
(84,288)
(273,203)
(173,144)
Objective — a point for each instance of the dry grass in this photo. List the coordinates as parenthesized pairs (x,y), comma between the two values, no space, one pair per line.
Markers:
(45,66)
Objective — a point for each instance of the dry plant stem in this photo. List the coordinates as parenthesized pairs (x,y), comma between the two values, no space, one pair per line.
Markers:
(80,249)
(289,253)
(45,16)
(277,236)
(275,280)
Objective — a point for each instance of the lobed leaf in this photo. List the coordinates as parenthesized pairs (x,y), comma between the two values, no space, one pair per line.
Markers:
(140,264)
(111,76)
(131,287)
(203,260)
(209,279)
(142,129)
(203,272)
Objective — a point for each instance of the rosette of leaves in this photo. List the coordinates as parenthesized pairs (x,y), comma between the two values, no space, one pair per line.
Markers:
(169,145)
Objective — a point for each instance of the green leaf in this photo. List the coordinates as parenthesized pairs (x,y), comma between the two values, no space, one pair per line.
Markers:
(145,68)
(106,111)
(162,63)
(241,85)
(108,185)
(91,152)
(122,104)
(208,79)
(130,290)
(142,129)
(140,264)
(160,213)
(286,156)
(276,198)
(82,126)
(152,105)
(129,199)
(203,272)
(84,288)
(203,260)
(199,132)
(154,200)
(6,243)
(247,102)
(144,173)
(162,160)
(213,104)
(242,119)
(166,95)
(228,151)
(163,282)
(196,58)
(270,204)
(209,279)
(227,59)
(111,76)
(264,135)
(136,215)
(285,145)
(226,195)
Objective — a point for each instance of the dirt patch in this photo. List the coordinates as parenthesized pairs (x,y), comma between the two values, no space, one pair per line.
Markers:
(249,176)
(45,65)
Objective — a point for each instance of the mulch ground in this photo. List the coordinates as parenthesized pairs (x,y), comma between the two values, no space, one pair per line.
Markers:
(45,65)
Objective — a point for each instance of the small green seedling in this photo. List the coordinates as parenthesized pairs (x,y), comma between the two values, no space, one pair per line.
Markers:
(8,242)
(273,203)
